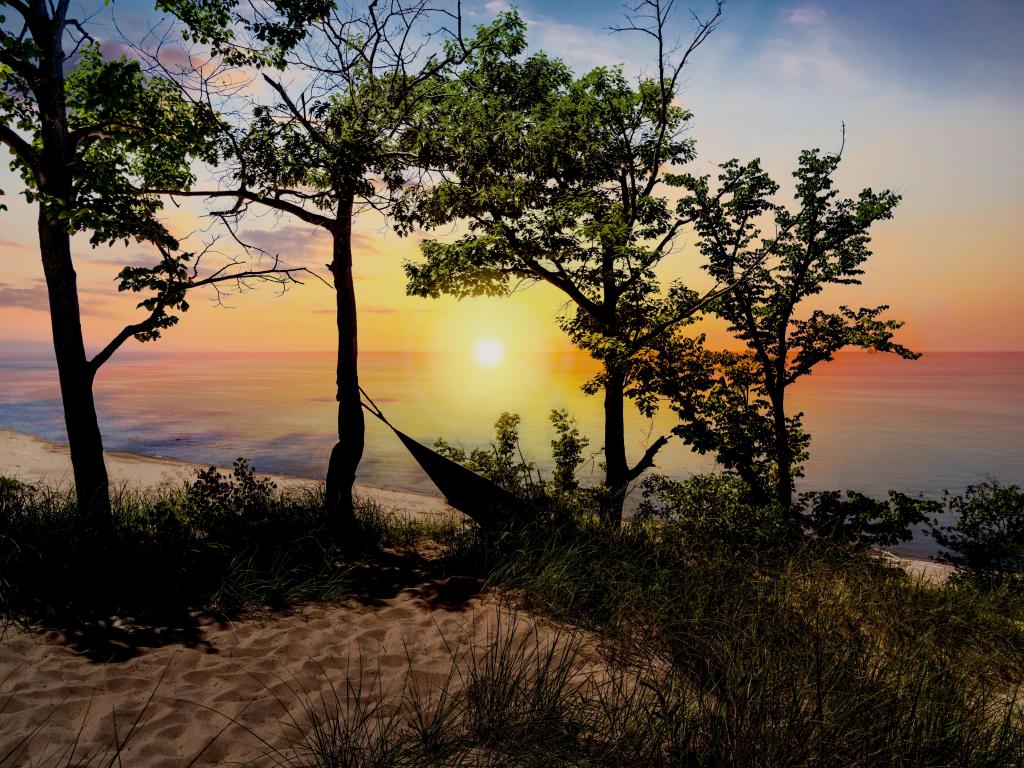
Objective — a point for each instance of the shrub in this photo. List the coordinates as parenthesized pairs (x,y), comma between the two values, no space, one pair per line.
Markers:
(240,493)
(713,507)
(986,541)
(721,507)
(861,521)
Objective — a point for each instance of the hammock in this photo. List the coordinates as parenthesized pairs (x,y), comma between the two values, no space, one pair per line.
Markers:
(484,501)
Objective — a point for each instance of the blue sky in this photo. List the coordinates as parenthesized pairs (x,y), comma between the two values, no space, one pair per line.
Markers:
(932,97)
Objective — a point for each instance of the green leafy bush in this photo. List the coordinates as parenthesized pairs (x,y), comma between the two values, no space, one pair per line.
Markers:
(713,507)
(504,463)
(986,541)
(858,520)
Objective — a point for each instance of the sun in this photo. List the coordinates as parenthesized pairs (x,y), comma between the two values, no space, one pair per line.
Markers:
(488,352)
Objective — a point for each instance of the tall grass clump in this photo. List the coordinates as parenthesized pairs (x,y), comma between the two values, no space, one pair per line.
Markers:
(792,651)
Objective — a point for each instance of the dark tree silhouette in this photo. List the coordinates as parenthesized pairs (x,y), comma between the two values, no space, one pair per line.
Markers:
(560,180)
(86,133)
(740,413)
(338,144)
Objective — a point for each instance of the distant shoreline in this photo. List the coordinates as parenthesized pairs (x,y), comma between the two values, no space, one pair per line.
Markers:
(32,458)
(35,459)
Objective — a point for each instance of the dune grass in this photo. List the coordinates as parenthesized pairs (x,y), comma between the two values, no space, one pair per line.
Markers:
(807,655)
(711,653)
(554,699)
(176,552)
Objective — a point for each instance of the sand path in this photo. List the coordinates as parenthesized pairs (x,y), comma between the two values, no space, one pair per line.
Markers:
(255,673)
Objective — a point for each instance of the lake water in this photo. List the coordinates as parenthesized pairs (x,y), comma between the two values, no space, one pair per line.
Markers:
(877,422)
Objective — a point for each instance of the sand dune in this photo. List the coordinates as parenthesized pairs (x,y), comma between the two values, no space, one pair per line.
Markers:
(236,690)
(239,692)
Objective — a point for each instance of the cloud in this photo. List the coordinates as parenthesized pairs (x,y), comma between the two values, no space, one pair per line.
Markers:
(34,297)
(127,260)
(805,16)
(291,242)
(584,47)
(810,49)
(305,246)
(13,245)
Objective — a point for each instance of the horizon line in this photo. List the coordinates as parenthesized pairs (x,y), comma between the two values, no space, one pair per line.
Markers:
(45,346)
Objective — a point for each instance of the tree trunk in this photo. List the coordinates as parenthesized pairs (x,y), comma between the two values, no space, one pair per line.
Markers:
(84,439)
(616,467)
(75,374)
(348,451)
(783,455)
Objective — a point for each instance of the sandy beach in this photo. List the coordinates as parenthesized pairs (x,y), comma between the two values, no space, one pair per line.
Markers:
(34,459)
(235,690)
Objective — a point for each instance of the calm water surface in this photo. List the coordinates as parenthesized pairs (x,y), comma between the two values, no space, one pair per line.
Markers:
(942,422)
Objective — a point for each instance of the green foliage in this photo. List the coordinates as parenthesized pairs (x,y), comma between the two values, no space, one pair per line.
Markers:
(986,539)
(665,649)
(127,131)
(723,508)
(221,543)
(860,521)
(243,34)
(714,508)
(133,132)
(723,409)
(502,462)
(118,130)
(796,656)
(558,179)
(735,405)
(351,135)
(567,451)
(239,494)
(536,159)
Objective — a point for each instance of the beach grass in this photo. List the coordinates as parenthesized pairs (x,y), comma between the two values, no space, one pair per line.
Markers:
(175,552)
(669,649)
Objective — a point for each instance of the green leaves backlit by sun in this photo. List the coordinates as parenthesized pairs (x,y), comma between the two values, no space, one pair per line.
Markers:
(488,352)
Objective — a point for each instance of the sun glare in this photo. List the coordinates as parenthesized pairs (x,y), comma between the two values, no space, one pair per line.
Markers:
(488,352)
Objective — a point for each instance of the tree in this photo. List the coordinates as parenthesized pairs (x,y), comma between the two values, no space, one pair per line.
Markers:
(85,134)
(740,411)
(559,180)
(337,146)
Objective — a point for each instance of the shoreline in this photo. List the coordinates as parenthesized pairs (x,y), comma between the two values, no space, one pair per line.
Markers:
(37,459)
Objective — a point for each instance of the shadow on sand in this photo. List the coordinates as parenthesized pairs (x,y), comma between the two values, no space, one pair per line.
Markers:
(104,634)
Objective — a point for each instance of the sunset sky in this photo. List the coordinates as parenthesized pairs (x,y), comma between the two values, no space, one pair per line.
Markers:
(931,94)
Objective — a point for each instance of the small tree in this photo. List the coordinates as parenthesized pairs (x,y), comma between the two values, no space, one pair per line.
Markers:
(503,461)
(338,145)
(86,133)
(559,180)
(567,449)
(735,405)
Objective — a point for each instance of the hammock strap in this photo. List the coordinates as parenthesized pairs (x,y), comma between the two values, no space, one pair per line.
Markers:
(372,407)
